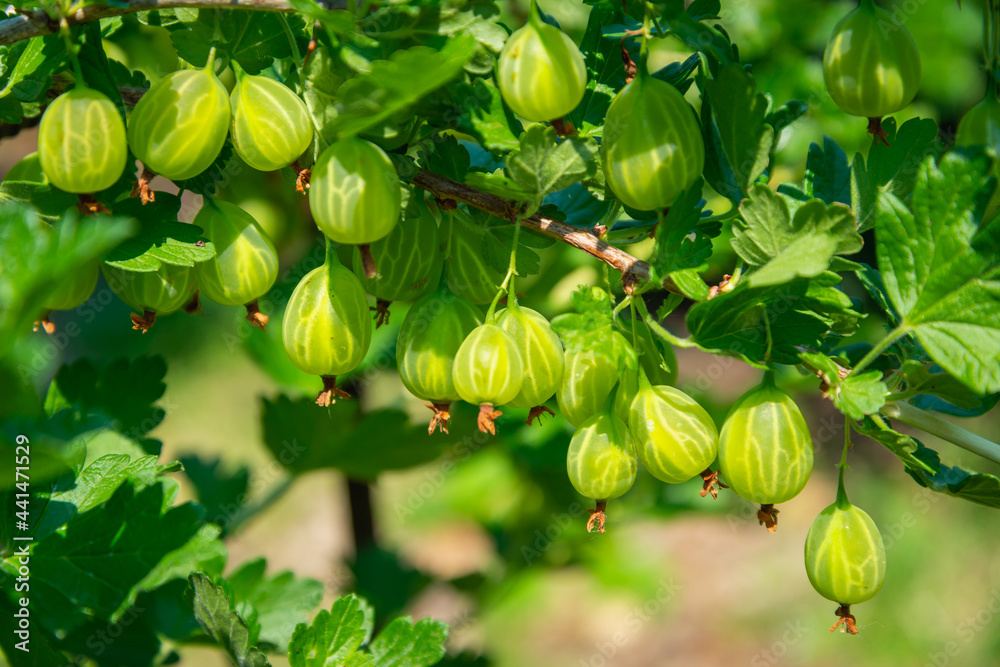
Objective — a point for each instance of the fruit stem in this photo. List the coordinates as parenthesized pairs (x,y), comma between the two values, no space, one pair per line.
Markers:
(842,501)
(879,348)
(925,421)
(368,261)
(296,54)
(71,49)
(507,287)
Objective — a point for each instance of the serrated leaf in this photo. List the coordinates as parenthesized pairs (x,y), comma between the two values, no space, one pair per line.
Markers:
(605,74)
(395,84)
(26,70)
(304,438)
(252,39)
(405,644)
(891,169)
(449,158)
(828,176)
(279,602)
(799,313)
(485,117)
(333,637)
(700,37)
(92,487)
(220,491)
(36,257)
(216,616)
(946,291)
(104,553)
(860,395)
(736,121)
(789,243)
(124,390)
(684,243)
(161,239)
(592,326)
(541,164)
(781,118)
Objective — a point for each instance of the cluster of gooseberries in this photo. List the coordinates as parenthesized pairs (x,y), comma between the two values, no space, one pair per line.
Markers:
(411,248)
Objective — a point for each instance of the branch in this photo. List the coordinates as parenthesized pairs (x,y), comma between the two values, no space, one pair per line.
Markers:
(925,421)
(37,22)
(634,271)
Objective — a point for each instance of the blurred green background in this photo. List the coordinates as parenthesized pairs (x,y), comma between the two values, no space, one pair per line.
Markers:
(492,538)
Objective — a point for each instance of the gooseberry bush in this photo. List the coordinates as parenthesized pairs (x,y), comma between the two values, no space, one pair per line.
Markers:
(448,159)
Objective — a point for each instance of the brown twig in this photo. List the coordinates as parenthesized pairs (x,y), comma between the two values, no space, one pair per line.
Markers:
(36,22)
(634,271)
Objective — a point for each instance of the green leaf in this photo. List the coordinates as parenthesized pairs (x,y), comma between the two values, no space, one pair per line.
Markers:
(605,74)
(92,487)
(403,644)
(700,37)
(828,177)
(26,70)
(49,202)
(252,39)
(684,244)
(222,493)
(541,164)
(161,239)
(278,603)
(36,257)
(859,395)
(321,82)
(395,84)
(891,169)
(789,244)
(924,466)
(204,552)
(942,272)
(333,638)
(303,437)
(736,120)
(104,553)
(854,395)
(798,313)
(124,390)
(781,118)
(942,392)
(216,616)
(449,158)
(592,326)
(484,116)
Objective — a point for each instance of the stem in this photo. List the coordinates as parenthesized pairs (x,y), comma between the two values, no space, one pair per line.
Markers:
(296,55)
(37,22)
(362,521)
(508,281)
(655,327)
(880,347)
(633,270)
(71,49)
(842,500)
(925,421)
